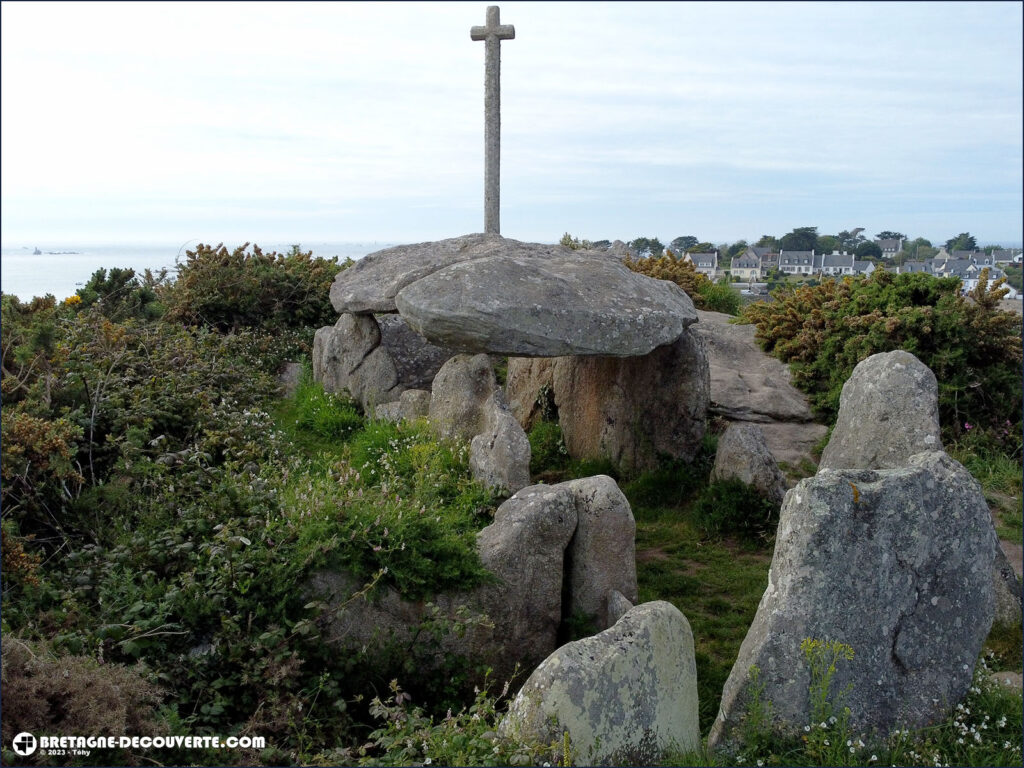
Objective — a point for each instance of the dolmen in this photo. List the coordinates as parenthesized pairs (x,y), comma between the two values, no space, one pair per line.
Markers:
(610,346)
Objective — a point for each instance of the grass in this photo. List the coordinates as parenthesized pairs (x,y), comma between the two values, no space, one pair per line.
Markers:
(716,580)
(716,584)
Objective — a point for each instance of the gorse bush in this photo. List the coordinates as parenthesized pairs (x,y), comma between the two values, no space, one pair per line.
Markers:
(240,288)
(121,294)
(52,693)
(973,348)
(704,293)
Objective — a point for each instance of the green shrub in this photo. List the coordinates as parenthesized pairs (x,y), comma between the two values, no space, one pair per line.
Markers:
(547,448)
(120,294)
(413,509)
(324,414)
(973,348)
(719,297)
(733,508)
(235,289)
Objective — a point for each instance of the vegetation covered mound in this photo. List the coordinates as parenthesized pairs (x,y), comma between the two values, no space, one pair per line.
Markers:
(163,508)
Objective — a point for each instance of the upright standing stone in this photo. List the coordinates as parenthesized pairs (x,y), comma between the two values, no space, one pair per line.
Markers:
(492,34)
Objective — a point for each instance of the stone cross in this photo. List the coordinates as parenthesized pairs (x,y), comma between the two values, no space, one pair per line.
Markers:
(493,34)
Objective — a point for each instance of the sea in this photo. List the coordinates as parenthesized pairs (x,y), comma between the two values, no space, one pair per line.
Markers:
(37,269)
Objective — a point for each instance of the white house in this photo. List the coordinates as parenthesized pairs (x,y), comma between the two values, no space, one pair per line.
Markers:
(836,263)
(705,263)
(799,262)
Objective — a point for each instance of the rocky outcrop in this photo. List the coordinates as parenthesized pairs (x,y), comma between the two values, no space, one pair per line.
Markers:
(888,411)
(412,404)
(375,361)
(895,563)
(743,455)
(627,696)
(748,385)
(631,411)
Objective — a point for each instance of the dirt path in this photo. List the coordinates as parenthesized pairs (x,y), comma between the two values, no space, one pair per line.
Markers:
(1014,553)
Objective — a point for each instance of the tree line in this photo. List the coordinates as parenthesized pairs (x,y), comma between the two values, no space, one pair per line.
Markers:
(798,239)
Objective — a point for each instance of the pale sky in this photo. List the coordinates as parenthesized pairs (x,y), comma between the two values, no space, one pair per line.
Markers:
(292,122)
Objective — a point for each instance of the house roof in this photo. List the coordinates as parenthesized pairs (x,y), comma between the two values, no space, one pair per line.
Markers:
(799,258)
(918,266)
(862,266)
(837,260)
(890,244)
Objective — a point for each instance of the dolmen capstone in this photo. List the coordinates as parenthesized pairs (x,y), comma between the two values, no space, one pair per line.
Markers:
(626,696)
(888,549)
(486,293)
(557,551)
(483,293)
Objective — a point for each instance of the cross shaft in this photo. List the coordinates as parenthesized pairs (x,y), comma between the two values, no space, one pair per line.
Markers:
(492,34)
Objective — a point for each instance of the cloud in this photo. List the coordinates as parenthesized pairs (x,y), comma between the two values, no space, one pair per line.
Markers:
(299,111)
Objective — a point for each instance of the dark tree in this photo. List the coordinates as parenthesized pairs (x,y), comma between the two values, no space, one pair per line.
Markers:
(768,241)
(890,235)
(736,249)
(851,239)
(868,249)
(647,246)
(800,239)
(963,242)
(827,244)
(683,243)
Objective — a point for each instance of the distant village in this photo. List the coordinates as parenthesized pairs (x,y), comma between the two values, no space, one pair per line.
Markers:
(772,261)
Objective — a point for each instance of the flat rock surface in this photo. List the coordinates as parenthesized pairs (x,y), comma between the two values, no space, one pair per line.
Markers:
(566,303)
(487,293)
(370,285)
(749,385)
(746,383)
